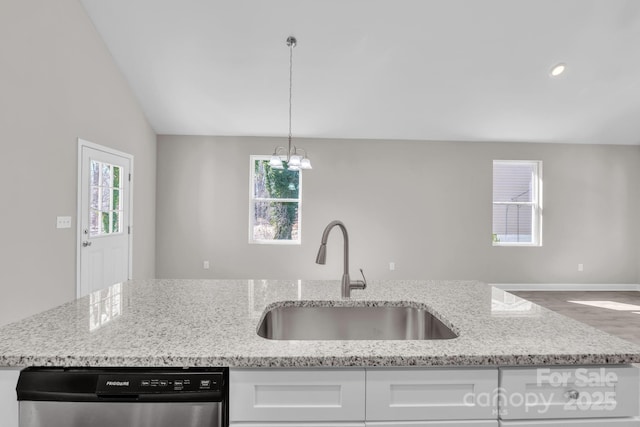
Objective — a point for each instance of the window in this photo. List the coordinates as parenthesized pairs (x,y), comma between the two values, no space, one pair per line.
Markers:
(274,208)
(517,203)
(105,212)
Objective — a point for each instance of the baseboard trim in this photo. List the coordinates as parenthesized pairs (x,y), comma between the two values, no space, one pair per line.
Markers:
(566,287)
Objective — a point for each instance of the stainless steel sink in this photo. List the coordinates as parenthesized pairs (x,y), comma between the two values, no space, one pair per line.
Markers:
(352,323)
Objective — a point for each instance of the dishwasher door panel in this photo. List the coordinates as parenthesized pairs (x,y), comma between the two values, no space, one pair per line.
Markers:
(120,414)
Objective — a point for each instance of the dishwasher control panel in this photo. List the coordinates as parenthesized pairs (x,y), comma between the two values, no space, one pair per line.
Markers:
(208,384)
(144,383)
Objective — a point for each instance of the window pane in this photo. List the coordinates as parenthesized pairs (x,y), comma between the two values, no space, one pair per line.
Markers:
(94,226)
(115,222)
(106,199)
(104,224)
(116,200)
(116,176)
(106,175)
(95,173)
(275,183)
(513,182)
(512,224)
(95,198)
(275,221)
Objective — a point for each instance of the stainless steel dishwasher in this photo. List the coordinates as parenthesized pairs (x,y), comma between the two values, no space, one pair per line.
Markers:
(123,397)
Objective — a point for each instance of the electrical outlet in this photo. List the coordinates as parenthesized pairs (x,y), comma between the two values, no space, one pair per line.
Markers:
(580,267)
(392,266)
(63,222)
(205,265)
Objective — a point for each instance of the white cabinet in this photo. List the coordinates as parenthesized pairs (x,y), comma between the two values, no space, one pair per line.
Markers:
(8,400)
(436,397)
(395,397)
(462,423)
(431,394)
(569,392)
(604,422)
(298,424)
(296,395)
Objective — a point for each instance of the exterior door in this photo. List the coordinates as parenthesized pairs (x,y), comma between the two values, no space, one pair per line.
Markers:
(104,205)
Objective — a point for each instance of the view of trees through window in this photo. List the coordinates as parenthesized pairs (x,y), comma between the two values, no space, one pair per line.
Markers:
(275,203)
(105,213)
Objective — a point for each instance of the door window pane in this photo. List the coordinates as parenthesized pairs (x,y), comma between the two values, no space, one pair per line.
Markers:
(106,199)
(115,222)
(105,210)
(115,205)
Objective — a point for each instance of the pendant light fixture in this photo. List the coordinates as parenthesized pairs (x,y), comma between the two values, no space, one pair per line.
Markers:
(292,158)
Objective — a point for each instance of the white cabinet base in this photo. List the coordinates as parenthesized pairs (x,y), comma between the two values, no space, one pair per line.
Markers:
(265,395)
(462,423)
(546,393)
(430,394)
(8,399)
(297,424)
(604,422)
(427,397)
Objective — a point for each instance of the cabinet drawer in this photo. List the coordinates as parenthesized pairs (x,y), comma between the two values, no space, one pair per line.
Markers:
(603,422)
(465,423)
(593,392)
(296,395)
(431,394)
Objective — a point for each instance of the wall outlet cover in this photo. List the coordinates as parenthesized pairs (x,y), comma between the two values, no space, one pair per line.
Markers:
(63,222)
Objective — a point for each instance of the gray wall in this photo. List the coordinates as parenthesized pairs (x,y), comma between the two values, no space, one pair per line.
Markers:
(424,205)
(57,83)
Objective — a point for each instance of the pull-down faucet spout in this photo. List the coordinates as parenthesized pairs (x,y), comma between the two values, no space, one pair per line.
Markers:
(321,258)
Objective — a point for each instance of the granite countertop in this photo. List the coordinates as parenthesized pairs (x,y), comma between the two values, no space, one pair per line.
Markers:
(213,323)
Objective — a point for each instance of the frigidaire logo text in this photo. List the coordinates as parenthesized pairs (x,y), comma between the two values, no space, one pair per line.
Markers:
(118,383)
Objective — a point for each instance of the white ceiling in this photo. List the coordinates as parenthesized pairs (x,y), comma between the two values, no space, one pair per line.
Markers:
(465,70)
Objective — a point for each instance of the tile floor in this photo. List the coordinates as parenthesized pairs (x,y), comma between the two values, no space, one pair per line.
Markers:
(623,323)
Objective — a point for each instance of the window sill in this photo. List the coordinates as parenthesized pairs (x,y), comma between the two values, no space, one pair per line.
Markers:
(517,245)
(275,242)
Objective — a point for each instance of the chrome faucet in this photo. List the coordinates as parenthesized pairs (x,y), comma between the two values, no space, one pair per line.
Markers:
(347,284)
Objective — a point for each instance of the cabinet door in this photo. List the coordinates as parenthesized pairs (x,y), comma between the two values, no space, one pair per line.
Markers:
(603,422)
(431,394)
(462,423)
(296,395)
(564,392)
(297,424)
(8,398)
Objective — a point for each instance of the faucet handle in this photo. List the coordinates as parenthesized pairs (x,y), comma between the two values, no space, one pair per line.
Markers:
(359,284)
(364,279)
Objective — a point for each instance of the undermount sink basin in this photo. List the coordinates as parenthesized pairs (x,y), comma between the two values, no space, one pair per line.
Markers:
(352,323)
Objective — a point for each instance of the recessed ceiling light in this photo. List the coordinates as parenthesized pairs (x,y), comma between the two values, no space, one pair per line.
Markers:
(558,69)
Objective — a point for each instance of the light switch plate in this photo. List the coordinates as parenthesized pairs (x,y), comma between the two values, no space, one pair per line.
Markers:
(63,222)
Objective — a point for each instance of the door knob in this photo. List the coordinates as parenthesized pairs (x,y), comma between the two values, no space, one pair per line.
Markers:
(86,243)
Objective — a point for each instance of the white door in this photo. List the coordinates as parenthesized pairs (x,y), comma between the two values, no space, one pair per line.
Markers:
(104,205)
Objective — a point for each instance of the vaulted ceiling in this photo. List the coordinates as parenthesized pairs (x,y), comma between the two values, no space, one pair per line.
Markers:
(464,70)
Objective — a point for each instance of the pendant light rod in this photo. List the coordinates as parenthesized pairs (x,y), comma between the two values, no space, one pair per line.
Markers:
(291,42)
(294,160)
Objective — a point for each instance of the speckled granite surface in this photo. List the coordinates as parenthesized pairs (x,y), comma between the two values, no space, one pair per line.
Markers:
(213,323)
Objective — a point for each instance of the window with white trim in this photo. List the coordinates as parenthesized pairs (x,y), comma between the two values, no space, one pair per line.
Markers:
(106,210)
(275,203)
(517,203)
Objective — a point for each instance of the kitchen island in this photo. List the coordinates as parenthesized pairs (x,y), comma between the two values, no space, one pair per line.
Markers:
(213,323)
(180,323)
